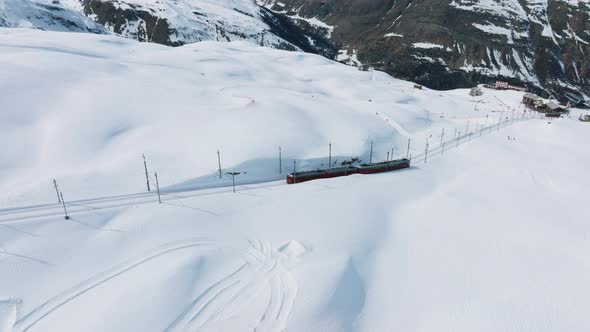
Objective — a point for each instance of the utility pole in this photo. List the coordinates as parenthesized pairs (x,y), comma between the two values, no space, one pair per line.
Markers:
(66,217)
(442,136)
(219,163)
(330,156)
(371,155)
(387,156)
(56,191)
(408,154)
(233,178)
(158,188)
(280,161)
(147,179)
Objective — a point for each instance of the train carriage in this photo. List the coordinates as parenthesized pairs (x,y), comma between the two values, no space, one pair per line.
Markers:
(321,174)
(380,167)
(385,166)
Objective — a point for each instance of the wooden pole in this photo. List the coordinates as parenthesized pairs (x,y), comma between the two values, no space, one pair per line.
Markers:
(330,156)
(280,160)
(66,217)
(158,188)
(219,163)
(56,191)
(147,179)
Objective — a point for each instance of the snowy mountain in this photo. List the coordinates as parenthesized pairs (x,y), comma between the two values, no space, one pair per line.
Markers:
(179,22)
(45,15)
(457,43)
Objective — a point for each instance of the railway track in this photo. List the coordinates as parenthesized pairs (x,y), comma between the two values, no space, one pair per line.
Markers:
(17,214)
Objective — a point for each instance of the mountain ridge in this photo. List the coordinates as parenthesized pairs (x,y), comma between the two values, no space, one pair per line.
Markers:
(543,44)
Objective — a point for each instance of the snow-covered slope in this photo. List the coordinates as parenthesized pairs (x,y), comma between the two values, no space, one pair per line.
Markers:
(490,236)
(46,16)
(94,104)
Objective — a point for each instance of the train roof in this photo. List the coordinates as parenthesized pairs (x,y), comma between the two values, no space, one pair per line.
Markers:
(321,171)
(385,163)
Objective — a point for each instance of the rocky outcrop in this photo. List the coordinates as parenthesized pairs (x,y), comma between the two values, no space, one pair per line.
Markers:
(178,22)
(544,44)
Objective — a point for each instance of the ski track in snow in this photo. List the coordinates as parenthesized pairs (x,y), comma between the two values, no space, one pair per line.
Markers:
(263,268)
(42,311)
(394,124)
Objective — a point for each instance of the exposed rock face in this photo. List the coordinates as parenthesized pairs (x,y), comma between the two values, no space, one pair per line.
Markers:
(458,43)
(178,22)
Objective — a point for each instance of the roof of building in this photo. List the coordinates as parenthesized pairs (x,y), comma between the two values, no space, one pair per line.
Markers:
(532,96)
(553,106)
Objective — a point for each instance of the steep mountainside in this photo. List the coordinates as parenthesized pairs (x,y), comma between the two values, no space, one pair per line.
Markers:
(45,16)
(179,22)
(457,43)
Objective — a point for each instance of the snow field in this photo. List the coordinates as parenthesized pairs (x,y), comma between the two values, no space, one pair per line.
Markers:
(96,103)
(491,236)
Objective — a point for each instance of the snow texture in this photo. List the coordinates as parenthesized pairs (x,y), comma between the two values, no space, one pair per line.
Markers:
(492,235)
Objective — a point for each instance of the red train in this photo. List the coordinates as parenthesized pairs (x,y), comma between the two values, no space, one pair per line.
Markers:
(381,167)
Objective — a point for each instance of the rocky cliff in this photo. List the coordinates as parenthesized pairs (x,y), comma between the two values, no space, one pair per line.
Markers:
(178,22)
(443,44)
